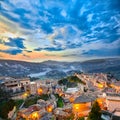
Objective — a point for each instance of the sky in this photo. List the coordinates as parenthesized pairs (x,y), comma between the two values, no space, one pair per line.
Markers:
(61,30)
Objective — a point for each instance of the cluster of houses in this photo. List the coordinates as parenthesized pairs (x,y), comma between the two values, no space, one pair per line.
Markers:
(41,110)
(77,100)
(21,88)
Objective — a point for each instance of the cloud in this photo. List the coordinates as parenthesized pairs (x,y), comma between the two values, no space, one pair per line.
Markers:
(59,26)
(28,51)
(49,49)
(3,47)
(15,42)
(90,16)
(63,13)
(12,51)
(103,53)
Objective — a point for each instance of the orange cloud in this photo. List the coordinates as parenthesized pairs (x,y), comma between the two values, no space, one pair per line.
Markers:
(3,28)
(31,56)
(3,47)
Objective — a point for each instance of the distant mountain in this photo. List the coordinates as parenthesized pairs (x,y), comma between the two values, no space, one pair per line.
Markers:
(43,70)
(57,70)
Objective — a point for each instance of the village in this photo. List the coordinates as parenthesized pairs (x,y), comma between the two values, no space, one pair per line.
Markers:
(67,99)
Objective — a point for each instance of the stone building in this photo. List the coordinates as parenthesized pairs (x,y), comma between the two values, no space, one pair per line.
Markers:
(82,105)
(112,101)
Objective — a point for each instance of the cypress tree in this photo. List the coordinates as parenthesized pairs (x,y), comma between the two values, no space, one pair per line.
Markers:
(95,113)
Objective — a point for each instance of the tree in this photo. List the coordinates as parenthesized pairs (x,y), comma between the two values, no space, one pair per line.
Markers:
(4,95)
(6,107)
(60,102)
(95,113)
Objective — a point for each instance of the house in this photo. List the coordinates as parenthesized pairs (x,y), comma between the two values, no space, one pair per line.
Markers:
(42,90)
(82,105)
(42,103)
(112,101)
(16,85)
(24,83)
(72,90)
(116,86)
(116,113)
(49,105)
(12,85)
(34,112)
(60,114)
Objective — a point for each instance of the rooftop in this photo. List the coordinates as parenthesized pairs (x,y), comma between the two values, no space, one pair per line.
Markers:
(113,94)
(117,83)
(83,99)
(72,90)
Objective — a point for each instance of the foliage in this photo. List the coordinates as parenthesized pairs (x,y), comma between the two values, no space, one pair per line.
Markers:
(57,96)
(4,95)
(33,100)
(75,79)
(63,81)
(52,118)
(60,102)
(95,113)
(72,117)
(18,103)
(5,107)
(70,81)
(44,97)
(6,103)
(29,102)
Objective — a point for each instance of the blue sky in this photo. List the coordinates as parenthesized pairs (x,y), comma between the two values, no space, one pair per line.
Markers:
(63,30)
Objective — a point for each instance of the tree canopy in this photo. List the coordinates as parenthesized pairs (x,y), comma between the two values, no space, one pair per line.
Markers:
(95,113)
(4,95)
(6,107)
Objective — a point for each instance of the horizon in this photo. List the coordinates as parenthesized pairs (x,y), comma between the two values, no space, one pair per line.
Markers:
(61,61)
(59,30)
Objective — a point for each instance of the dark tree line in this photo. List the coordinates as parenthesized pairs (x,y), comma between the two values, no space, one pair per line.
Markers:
(6,103)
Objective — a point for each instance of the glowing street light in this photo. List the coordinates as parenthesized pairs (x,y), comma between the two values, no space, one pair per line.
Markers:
(34,116)
(40,91)
(49,108)
(100,85)
(25,95)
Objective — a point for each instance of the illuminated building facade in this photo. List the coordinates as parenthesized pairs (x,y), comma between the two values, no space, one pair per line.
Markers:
(82,106)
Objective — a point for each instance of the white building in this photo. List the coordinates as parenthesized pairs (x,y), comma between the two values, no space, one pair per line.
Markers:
(16,85)
(33,88)
(113,102)
(72,90)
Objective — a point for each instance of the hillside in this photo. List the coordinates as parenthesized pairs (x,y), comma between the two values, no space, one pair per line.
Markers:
(57,70)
